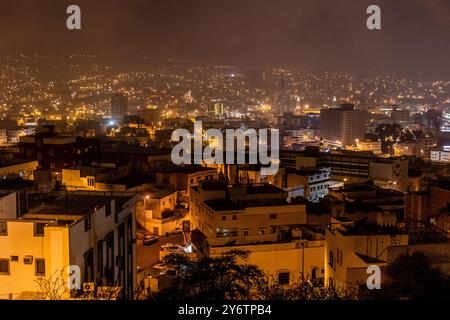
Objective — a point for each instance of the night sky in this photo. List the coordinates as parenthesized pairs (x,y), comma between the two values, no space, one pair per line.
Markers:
(304,34)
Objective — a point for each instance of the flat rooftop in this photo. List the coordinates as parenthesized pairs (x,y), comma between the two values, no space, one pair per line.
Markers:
(189,169)
(137,150)
(15,184)
(263,189)
(213,185)
(16,162)
(129,182)
(443,184)
(308,171)
(73,204)
(222,205)
(364,228)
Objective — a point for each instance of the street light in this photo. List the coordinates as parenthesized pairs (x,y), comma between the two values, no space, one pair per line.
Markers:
(145,211)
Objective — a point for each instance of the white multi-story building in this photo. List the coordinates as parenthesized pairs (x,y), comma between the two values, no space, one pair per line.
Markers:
(440,156)
(445,122)
(312,182)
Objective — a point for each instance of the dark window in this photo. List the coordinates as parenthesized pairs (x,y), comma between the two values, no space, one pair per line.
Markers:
(283,278)
(4,266)
(121,253)
(273,216)
(234,217)
(89,266)
(100,261)
(108,209)
(3,228)
(39,229)
(224,218)
(40,267)
(109,268)
(331,259)
(14,258)
(129,266)
(245,232)
(88,223)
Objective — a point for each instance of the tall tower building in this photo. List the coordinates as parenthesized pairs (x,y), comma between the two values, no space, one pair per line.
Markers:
(342,126)
(445,122)
(119,106)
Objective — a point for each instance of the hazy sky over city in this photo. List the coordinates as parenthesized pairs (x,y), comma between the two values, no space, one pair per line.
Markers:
(308,34)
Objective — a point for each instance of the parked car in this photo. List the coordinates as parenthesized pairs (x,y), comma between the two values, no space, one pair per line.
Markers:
(170,248)
(140,235)
(148,240)
(177,231)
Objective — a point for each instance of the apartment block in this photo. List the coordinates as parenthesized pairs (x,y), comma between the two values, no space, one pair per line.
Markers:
(92,231)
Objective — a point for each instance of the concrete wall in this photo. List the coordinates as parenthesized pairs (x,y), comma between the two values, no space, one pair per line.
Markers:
(21,242)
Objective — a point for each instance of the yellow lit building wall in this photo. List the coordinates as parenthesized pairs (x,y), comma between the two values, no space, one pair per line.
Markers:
(22,242)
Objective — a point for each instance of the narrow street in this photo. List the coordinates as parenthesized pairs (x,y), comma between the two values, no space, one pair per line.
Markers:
(148,256)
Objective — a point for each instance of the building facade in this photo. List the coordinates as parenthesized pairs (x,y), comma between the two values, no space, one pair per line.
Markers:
(342,126)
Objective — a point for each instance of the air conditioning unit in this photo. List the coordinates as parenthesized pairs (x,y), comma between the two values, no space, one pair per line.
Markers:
(88,287)
(28,260)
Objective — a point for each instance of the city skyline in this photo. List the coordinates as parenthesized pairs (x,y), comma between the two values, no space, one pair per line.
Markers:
(163,150)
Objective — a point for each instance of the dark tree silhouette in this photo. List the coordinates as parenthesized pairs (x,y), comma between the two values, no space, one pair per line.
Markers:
(229,277)
(412,277)
(218,278)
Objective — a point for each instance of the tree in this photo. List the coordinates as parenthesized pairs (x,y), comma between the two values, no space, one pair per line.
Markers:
(53,287)
(230,277)
(412,277)
(301,289)
(210,278)
(388,134)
